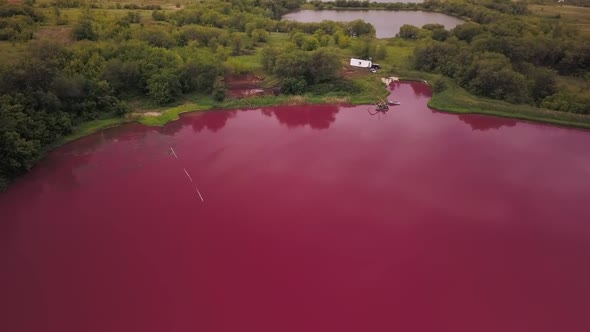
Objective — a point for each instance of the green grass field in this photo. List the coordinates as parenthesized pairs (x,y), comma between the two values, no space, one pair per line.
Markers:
(399,54)
(11,52)
(245,64)
(578,17)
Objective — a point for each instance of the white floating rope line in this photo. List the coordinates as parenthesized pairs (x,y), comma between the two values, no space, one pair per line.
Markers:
(174,153)
(189,177)
(200,196)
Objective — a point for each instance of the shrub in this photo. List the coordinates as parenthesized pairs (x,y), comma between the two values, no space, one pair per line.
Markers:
(438,85)
(294,85)
(346,86)
(84,30)
(408,31)
(219,89)
(158,15)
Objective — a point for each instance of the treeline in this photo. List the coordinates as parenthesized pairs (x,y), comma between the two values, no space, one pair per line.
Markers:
(504,6)
(139,7)
(356,28)
(95,5)
(235,14)
(18,22)
(318,4)
(482,11)
(221,13)
(509,59)
(579,3)
(274,8)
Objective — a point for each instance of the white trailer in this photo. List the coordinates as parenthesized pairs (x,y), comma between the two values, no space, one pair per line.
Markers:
(361,63)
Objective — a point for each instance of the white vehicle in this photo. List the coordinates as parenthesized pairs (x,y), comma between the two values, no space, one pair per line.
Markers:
(361,63)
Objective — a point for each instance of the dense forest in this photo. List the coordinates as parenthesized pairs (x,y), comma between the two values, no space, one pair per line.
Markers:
(580,3)
(504,56)
(109,55)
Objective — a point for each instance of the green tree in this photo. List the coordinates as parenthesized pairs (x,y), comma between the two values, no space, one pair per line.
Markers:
(158,15)
(437,57)
(134,17)
(124,77)
(408,31)
(341,39)
(438,85)
(219,89)
(18,147)
(269,56)
(467,31)
(238,43)
(293,64)
(359,28)
(492,75)
(310,43)
(164,87)
(325,65)
(260,35)
(293,85)
(156,37)
(84,30)
(200,70)
(433,26)
(567,102)
(16,28)
(440,34)
(543,84)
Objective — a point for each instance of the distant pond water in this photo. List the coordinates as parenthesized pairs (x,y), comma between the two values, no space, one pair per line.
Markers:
(387,23)
(387,1)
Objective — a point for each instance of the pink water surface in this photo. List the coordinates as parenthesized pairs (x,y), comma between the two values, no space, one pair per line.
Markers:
(314,218)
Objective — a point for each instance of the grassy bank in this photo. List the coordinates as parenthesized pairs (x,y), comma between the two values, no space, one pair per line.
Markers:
(371,89)
(155,117)
(82,130)
(90,127)
(143,112)
(455,99)
(172,114)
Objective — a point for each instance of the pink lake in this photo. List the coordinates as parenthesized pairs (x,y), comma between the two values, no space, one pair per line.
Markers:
(312,218)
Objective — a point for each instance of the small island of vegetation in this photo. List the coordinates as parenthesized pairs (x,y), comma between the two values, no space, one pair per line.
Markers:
(70,67)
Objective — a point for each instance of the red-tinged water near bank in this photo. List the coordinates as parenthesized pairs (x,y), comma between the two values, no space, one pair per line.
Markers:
(306,218)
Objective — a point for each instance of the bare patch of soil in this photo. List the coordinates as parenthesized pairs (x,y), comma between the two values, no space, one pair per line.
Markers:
(151,113)
(244,86)
(353,72)
(61,33)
